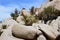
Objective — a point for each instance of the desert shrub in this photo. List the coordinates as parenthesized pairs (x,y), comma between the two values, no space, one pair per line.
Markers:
(32,10)
(49,13)
(15,14)
(29,20)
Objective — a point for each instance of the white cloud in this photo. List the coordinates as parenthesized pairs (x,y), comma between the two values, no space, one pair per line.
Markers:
(6,10)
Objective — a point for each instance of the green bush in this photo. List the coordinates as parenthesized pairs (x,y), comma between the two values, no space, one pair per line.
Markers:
(29,20)
(15,14)
(32,10)
(49,13)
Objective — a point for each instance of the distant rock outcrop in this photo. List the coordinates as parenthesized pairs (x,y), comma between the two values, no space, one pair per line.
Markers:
(53,3)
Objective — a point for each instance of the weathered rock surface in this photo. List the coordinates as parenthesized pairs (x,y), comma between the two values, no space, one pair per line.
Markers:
(9,22)
(30,32)
(41,37)
(54,3)
(20,20)
(26,32)
(7,35)
(40,22)
(35,25)
(49,31)
(58,23)
(54,25)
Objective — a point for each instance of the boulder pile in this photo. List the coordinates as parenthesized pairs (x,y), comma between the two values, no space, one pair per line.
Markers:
(17,30)
(38,31)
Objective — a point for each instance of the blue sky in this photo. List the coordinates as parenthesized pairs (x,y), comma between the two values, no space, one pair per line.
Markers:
(8,6)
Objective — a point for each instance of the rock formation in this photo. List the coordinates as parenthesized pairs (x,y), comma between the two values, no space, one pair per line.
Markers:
(26,32)
(53,3)
(7,35)
(49,31)
(17,30)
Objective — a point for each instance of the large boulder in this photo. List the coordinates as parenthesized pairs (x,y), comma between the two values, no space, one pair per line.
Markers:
(7,35)
(49,31)
(26,32)
(54,24)
(58,23)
